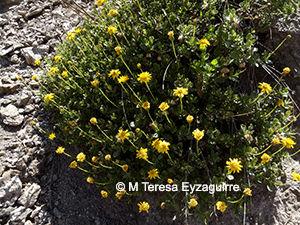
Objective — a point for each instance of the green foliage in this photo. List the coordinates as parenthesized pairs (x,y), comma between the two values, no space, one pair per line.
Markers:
(212,45)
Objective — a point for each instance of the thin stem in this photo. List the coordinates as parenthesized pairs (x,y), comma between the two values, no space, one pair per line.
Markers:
(134,93)
(167,118)
(278,151)
(276,49)
(89,135)
(256,98)
(271,111)
(295,153)
(150,116)
(237,200)
(83,170)
(175,53)
(106,97)
(170,158)
(181,104)
(127,66)
(198,153)
(149,90)
(263,151)
(132,144)
(103,132)
(107,167)
(122,32)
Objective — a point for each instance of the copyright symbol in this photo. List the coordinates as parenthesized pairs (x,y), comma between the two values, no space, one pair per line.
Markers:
(120,186)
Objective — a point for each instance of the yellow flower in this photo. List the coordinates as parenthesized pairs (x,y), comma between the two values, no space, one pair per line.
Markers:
(144,77)
(114,73)
(156,143)
(163,147)
(100,2)
(83,30)
(189,118)
(123,79)
(180,92)
(108,157)
(144,206)
(53,70)
(77,31)
(51,136)
(286,70)
(73,164)
(119,195)
(93,120)
(90,180)
(146,105)
(142,153)
(64,74)
(265,158)
(193,202)
(280,102)
(163,106)
(94,82)
(204,42)
(234,165)
(247,191)
(139,65)
(32,122)
(37,62)
(153,174)
(34,77)
(265,88)
(198,134)
(48,97)
(80,157)
(118,49)
(60,150)
(113,12)
(275,141)
(123,135)
(73,123)
(288,143)
(137,130)
(70,36)
(221,206)
(296,176)
(111,30)
(171,34)
(122,192)
(125,167)
(104,194)
(170,181)
(19,77)
(94,159)
(57,58)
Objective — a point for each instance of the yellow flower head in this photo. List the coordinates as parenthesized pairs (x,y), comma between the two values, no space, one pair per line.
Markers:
(64,74)
(77,31)
(193,202)
(275,141)
(163,147)
(19,77)
(265,158)
(180,92)
(57,58)
(34,77)
(296,176)
(163,106)
(280,102)
(80,157)
(108,157)
(288,143)
(221,206)
(146,105)
(111,30)
(247,191)
(122,192)
(139,65)
(234,165)
(119,195)
(286,70)
(123,135)
(48,97)
(198,134)
(73,164)
(114,73)
(113,12)
(94,159)
(93,120)
(32,122)
(171,34)
(142,153)
(203,42)
(143,206)
(90,180)
(156,143)
(170,181)
(100,2)
(53,70)
(83,30)
(189,118)
(73,123)
(94,83)
(104,194)
(118,49)
(153,174)
(60,150)
(125,168)
(37,62)
(265,87)
(70,36)
(51,136)
(144,77)
(123,79)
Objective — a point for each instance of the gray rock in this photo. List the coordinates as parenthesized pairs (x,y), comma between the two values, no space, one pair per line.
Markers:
(29,108)
(9,47)
(11,116)
(10,190)
(29,55)
(34,10)
(36,211)
(28,222)
(9,2)
(6,211)
(24,98)
(18,216)
(9,88)
(3,21)
(15,59)
(29,195)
